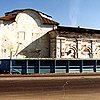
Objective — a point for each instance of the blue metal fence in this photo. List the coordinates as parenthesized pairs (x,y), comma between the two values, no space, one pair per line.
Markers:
(30,66)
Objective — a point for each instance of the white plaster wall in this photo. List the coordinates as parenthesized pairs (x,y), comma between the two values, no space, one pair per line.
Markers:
(1,29)
(8,39)
(25,24)
(68,44)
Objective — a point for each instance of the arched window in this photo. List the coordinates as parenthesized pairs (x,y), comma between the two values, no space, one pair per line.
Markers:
(86,51)
(70,52)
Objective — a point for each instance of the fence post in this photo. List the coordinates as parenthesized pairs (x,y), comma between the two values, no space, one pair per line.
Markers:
(36,67)
(52,67)
(81,64)
(95,64)
(67,66)
(26,66)
(10,66)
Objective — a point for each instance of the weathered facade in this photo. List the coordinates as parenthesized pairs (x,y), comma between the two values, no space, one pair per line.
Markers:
(28,33)
(71,42)
(23,34)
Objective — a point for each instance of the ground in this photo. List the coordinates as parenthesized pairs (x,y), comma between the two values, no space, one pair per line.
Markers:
(50,87)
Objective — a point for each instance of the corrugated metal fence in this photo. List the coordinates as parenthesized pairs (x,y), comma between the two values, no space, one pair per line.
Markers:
(30,66)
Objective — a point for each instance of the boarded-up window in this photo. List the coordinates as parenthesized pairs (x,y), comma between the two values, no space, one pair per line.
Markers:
(21,35)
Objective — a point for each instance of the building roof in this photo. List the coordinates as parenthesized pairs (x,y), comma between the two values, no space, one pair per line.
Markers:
(76,29)
(12,15)
(8,18)
(48,21)
(75,32)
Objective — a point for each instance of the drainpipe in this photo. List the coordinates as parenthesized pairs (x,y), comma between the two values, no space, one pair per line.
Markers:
(76,48)
(60,48)
(91,53)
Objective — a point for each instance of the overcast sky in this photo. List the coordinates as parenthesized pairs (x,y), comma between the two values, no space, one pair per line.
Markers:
(83,13)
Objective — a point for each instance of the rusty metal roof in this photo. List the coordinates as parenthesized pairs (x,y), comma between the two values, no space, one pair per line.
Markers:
(48,21)
(8,18)
(12,15)
(76,29)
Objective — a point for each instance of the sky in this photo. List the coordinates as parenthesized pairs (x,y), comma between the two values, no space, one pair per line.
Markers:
(83,13)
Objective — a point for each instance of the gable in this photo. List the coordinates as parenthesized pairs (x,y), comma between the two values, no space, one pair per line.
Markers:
(44,18)
(24,18)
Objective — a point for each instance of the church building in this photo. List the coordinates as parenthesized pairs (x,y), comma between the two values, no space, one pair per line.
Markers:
(74,42)
(28,33)
(23,34)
